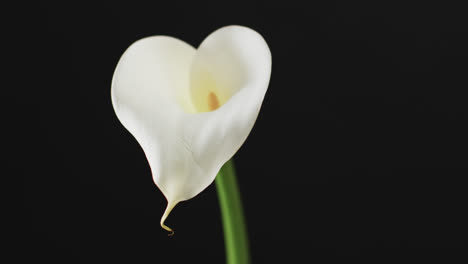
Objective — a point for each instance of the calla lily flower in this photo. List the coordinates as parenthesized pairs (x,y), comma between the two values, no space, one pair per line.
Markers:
(191,109)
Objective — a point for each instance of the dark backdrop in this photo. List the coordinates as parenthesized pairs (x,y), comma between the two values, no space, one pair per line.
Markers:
(360,148)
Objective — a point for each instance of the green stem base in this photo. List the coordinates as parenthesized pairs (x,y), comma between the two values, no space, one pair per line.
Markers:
(235,231)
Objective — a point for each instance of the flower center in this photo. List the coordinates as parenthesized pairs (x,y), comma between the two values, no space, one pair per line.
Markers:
(213,101)
(208,93)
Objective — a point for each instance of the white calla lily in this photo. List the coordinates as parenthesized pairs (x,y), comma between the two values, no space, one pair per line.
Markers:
(191,109)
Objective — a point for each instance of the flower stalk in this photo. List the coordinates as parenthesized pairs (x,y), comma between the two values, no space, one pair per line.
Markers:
(234,227)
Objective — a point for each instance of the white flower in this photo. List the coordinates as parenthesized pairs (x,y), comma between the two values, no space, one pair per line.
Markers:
(191,109)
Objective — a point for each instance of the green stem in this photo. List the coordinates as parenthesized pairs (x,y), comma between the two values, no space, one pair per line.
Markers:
(235,231)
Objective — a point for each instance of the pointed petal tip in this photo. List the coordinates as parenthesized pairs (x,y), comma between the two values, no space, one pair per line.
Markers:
(168,229)
(170,206)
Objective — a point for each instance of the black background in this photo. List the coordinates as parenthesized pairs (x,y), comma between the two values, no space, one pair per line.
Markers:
(360,148)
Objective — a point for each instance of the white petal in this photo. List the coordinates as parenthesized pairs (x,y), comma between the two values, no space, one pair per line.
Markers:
(160,82)
(239,60)
(149,85)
